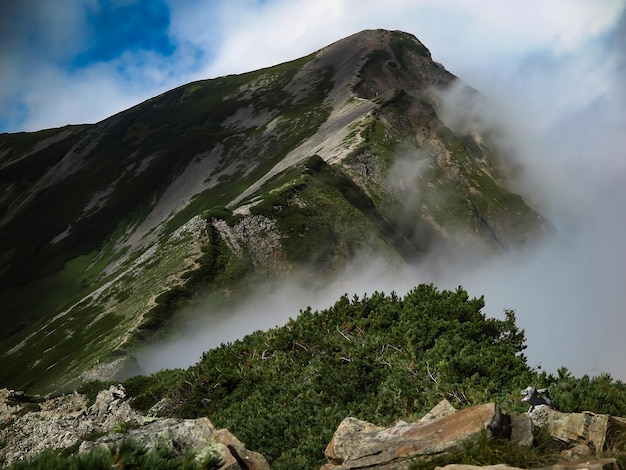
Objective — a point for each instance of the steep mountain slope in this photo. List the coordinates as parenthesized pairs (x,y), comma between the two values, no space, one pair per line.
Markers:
(106,230)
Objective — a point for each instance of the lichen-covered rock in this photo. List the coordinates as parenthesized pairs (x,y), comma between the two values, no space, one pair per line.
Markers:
(195,435)
(63,422)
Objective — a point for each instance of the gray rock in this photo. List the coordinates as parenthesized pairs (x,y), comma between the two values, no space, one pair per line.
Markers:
(196,435)
(61,422)
(358,444)
(65,421)
(573,428)
(522,431)
(443,408)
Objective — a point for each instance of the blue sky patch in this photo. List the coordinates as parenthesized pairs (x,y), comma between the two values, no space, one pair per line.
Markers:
(119,27)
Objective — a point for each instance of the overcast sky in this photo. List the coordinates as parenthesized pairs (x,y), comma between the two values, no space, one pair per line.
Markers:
(555,70)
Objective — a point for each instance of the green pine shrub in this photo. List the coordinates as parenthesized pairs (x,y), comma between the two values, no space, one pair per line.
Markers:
(283,392)
(379,358)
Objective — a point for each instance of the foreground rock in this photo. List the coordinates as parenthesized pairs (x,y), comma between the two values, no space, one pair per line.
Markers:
(361,445)
(198,435)
(576,429)
(358,444)
(68,422)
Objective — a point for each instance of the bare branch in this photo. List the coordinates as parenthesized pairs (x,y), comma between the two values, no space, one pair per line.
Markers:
(343,334)
(302,346)
(431,375)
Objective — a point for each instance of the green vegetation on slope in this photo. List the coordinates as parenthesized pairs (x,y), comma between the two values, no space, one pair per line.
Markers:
(217,268)
(66,243)
(325,217)
(123,164)
(138,154)
(378,358)
(283,392)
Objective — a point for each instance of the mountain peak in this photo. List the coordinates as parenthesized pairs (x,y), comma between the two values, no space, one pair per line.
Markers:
(365,70)
(108,230)
(386,58)
(373,39)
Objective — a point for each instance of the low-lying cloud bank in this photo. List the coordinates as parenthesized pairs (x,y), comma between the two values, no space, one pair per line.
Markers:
(565,123)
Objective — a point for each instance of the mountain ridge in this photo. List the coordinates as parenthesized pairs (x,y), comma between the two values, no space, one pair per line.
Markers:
(109,230)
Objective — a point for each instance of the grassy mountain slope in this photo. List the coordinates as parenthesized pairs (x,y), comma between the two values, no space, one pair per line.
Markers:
(107,230)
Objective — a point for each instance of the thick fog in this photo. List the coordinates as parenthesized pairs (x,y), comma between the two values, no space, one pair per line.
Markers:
(563,122)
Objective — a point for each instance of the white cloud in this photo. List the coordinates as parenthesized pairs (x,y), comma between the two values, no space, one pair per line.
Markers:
(561,25)
(217,38)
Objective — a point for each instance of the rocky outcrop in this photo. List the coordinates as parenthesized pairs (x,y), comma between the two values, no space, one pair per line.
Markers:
(357,444)
(68,422)
(198,435)
(259,237)
(573,428)
(578,430)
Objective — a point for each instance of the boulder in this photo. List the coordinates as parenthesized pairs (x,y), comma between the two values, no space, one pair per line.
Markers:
(573,428)
(443,408)
(522,431)
(358,444)
(61,422)
(246,459)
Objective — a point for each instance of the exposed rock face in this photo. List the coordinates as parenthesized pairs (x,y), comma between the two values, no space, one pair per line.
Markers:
(198,435)
(573,428)
(357,444)
(260,237)
(67,421)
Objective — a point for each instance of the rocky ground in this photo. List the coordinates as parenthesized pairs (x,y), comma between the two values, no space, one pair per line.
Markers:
(361,445)
(29,425)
